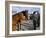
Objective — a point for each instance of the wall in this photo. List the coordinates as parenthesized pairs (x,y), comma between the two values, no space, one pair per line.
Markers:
(2,19)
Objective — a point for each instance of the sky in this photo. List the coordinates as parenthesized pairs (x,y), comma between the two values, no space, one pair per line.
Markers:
(30,9)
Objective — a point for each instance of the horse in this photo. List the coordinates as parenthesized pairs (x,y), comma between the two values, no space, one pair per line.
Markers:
(36,19)
(17,18)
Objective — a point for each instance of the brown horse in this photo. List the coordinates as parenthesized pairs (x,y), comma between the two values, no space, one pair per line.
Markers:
(17,18)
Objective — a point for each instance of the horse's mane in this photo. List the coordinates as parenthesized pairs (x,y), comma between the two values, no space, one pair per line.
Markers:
(20,12)
(15,14)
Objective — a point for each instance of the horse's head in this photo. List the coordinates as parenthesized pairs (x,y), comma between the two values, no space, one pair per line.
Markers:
(25,13)
(36,12)
(22,17)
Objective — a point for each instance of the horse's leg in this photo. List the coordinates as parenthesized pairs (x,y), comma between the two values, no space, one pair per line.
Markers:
(20,23)
(13,27)
(20,26)
(38,23)
(34,23)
